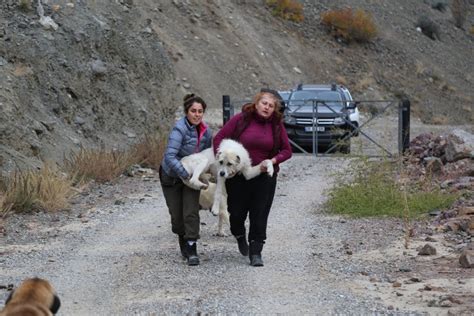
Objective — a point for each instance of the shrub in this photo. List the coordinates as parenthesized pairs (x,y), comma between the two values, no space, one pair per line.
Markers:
(439,5)
(459,9)
(374,190)
(429,28)
(349,25)
(100,165)
(287,9)
(45,189)
(24,5)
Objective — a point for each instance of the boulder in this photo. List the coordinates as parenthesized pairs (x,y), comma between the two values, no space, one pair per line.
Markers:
(460,145)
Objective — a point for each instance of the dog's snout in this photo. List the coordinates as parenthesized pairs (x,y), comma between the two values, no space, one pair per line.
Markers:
(222,173)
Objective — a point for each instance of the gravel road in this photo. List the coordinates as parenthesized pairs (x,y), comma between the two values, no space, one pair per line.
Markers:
(113,253)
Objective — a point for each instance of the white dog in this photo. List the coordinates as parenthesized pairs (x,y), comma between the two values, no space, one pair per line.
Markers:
(206,199)
(196,165)
(231,158)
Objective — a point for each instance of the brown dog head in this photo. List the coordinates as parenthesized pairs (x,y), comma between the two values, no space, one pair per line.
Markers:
(35,297)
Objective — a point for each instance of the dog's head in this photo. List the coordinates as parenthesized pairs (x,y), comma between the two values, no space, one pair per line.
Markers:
(228,163)
(33,297)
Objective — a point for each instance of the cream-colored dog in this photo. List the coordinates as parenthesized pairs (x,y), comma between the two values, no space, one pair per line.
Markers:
(34,297)
(206,199)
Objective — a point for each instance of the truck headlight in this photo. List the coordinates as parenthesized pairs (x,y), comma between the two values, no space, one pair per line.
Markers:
(288,119)
(339,121)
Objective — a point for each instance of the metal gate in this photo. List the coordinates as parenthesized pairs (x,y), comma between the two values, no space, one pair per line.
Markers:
(384,128)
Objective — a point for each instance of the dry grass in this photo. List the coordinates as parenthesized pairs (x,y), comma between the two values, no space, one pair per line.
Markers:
(341,80)
(149,152)
(46,189)
(420,69)
(100,165)
(440,120)
(350,25)
(365,82)
(459,9)
(290,10)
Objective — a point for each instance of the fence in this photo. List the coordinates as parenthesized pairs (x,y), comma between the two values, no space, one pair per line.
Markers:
(382,132)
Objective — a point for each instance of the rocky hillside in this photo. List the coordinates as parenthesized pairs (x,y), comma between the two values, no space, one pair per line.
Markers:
(86,73)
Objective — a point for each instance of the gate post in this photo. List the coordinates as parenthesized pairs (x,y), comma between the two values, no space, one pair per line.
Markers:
(226,108)
(403,126)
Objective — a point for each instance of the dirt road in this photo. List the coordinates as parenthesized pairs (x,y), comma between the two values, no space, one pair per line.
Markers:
(114,254)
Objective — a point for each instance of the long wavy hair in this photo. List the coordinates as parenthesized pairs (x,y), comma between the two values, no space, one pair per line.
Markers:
(249,111)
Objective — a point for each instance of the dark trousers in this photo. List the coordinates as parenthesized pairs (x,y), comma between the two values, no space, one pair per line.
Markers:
(254,198)
(183,206)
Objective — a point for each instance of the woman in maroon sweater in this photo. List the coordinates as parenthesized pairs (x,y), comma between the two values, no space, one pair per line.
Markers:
(260,130)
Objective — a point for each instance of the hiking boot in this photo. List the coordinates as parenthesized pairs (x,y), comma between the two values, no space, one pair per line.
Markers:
(182,245)
(256,260)
(243,245)
(192,256)
(255,253)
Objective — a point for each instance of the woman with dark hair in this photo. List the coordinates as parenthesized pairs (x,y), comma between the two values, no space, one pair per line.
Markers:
(189,135)
(260,130)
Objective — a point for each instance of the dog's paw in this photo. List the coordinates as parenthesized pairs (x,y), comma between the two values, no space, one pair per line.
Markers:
(269,166)
(215,213)
(221,234)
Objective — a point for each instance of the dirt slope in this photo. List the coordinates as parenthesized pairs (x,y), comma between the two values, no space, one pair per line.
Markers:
(113,70)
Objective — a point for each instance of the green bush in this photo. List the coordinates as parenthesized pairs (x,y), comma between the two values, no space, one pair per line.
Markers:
(374,190)
(24,5)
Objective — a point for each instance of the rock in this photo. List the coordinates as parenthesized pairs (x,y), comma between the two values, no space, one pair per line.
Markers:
(433,165)
(98,67)
(460,145)
(427,250)
(466,210)
(467,259)
(48,23)
(79,120)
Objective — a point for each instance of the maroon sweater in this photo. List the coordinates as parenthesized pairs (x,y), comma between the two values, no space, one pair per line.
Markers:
(257,138)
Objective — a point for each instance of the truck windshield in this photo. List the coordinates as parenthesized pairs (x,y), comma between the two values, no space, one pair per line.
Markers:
(306,97)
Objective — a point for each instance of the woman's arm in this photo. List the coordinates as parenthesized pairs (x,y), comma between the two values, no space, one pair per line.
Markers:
(175,141)
(285,150)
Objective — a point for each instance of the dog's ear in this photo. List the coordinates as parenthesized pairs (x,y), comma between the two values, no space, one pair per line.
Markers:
(56,304)
(238,158)
(9,297)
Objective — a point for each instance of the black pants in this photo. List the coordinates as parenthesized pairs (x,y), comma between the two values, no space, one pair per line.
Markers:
(183,206)
(254,198)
